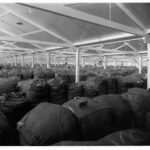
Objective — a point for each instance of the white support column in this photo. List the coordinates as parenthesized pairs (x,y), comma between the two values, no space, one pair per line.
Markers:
(148,67)
(140,64)
(82,61)
(11,60)
(114,63)
(77,64)
(105,62)
(23,62)
(15,60)
(39,59)
(32,60)
(66,60)
(48,59)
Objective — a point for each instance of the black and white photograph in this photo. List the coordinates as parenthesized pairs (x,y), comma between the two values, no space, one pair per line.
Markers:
(74,74)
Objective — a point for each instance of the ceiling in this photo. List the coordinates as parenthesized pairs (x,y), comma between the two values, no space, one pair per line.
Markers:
(96,28)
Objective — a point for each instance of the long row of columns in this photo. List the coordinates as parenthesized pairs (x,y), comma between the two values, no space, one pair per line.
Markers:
(77,64)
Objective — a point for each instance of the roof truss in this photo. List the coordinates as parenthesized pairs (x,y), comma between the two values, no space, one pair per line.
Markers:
(36,24)
(73,13)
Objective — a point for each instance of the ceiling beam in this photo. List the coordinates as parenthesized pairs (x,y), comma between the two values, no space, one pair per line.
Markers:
(120,47)
(12,51)
(31,41)
(112,41)
(36,45)
(13,48)
(28,33)
(73,13)
(100,49)
(131,46)
(7,32)
(9,44)
(4,14)
(131,16)
(124,53)
(35,23)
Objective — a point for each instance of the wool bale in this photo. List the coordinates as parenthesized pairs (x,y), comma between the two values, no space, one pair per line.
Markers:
(74,90)
(140,105)
(94,119)
(8,84)
(14,106)
(129,137)
(27,74)
(47,124)
(58,91)
(94,86)
(121,111)
(39,91)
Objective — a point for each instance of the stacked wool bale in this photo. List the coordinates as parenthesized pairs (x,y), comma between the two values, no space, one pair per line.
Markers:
(139,100)
(14,106)
(94,86)
(111,111)
(47,124)
(129,137)
(58,90)
(36,90)
(8,84)
(94,119)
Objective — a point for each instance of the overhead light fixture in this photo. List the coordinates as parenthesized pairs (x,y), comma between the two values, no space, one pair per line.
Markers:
(19,22)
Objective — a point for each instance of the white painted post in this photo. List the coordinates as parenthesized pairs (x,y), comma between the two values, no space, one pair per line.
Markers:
(15,57)
(77,64)
(32,59)
(140,64)
(105,62)
(148,67)
(47,60)
(23,62)
(11,60)
(39,59)
(66,60)
(114,64)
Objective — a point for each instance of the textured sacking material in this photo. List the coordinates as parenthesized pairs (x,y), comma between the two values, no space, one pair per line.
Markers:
(36,90)
(75,90)
(14,106)
(39,91)
(121,111)
(140,105)
(129,137)
(47,124)
(94,119)
(94,86)
(58,91)
(8,84)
